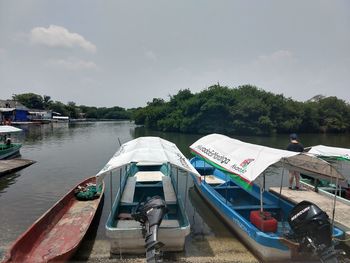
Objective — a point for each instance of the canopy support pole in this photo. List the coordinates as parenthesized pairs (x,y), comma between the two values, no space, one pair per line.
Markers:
(177,180)
(186,191)
(335,198)
(281,181)
(261,196)
(120,176)
(111,188)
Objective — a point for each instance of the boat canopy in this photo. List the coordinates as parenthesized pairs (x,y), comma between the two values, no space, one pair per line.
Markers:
(330,152)
(147,150)
(6,129)
(248,161)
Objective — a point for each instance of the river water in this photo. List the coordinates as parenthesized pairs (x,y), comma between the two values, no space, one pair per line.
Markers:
(65,154)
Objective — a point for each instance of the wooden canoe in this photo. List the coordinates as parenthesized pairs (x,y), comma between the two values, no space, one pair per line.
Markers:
(56,235)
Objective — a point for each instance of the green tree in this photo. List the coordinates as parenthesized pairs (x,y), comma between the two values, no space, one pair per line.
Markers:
(30,100)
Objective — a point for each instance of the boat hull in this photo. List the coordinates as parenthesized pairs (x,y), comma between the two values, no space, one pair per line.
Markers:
(131,241)
(126,236)
(56,235)
(8,152)
(265,253)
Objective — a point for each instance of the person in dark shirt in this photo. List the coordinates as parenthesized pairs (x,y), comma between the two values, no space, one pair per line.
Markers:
(294,146)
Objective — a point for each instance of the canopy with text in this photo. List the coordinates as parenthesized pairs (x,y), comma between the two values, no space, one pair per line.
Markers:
(246,161)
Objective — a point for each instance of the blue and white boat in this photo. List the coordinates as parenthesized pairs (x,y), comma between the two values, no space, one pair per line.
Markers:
(228,169)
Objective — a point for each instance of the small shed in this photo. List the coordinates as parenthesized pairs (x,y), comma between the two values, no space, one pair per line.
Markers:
(11,110)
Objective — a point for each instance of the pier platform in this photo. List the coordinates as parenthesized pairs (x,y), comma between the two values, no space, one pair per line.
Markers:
(342,211)
(12,165)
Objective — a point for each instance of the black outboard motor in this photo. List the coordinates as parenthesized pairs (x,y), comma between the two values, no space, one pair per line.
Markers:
(150,214)
(312,230)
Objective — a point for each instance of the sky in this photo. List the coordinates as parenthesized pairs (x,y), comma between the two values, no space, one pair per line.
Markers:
(125,53)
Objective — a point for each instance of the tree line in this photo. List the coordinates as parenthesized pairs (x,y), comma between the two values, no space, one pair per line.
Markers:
(35,101)
(243,110)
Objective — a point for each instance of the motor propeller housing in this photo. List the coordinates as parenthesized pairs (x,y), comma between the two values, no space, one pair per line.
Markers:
(311,228)
(150,214)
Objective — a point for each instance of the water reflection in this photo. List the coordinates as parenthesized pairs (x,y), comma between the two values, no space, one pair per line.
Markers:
(68,153)
(7,181)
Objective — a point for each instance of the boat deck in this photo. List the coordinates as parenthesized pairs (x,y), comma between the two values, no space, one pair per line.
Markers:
(12,165)
(342,211)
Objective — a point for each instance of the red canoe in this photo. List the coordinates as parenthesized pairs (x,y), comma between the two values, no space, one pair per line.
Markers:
(56,235)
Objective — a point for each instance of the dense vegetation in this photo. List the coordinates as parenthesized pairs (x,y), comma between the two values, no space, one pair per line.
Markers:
(243,110)
(35,101)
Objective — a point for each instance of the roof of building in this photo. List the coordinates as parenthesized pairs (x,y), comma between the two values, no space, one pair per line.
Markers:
(12,104)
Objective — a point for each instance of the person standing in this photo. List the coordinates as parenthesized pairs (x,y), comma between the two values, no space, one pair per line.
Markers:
(294,146)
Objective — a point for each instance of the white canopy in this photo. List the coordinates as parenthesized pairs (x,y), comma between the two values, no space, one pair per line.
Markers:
(331,152)
(147,150)
(7,109)
(250,160)
(5,129)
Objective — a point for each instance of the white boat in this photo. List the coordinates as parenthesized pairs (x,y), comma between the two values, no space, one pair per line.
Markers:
(7,147)
(149,167)
(340,159)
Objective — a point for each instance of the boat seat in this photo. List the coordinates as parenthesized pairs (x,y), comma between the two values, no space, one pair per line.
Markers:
(211,179)
(135,224)
(168,189)
(149,176)
(129,190)
(254,207)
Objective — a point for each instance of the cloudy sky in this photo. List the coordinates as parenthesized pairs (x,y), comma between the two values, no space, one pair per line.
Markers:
(124,53)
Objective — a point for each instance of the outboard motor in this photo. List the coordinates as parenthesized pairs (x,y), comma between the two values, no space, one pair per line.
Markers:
(312,230)
(150,214)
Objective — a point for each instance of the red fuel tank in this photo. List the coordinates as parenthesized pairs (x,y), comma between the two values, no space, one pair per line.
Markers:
(263,221)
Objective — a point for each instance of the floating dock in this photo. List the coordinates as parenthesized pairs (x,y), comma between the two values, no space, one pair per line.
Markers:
(342,211)
(12,165)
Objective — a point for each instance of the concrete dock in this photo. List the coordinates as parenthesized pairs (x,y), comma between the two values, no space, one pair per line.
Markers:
(342,211)
(12,165)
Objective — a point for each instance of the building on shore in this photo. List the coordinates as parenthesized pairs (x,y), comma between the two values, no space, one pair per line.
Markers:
(12,111)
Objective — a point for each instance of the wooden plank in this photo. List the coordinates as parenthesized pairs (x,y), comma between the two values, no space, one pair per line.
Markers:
(12,165)
(168,189)
(149,176)
(342,211)
(129,190)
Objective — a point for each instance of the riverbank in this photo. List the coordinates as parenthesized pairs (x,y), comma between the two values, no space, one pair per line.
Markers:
(200,249)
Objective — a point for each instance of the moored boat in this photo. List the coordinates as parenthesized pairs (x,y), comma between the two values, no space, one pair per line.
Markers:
(56,235)
(7,147)
(262,220)
(340,159)
(149,169)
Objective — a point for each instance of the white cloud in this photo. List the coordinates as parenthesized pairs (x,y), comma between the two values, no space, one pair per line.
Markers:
(276,59)
(2,52)
(73,64)
(57,36)
(150,55)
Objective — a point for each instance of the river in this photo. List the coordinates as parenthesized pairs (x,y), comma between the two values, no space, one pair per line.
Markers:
(65,154)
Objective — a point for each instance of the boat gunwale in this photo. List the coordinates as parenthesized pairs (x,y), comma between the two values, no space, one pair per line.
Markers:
(116,204)
(244,236)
